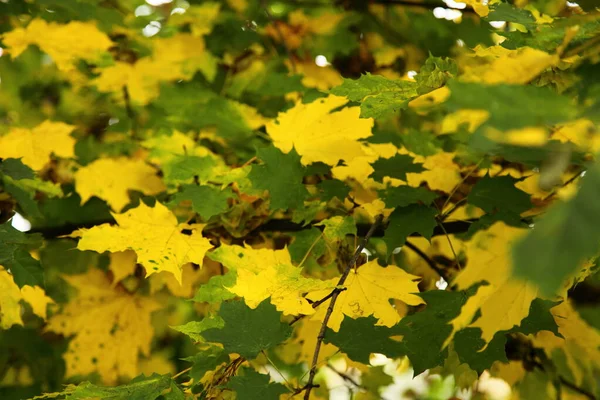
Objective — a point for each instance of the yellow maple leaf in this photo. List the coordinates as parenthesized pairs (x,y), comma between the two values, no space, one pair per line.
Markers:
(580,342)
(190,278)
(359,168)
(164,148)
(199,18)
(154,235)
(11,296)
(285,285)
(430,99)
(252,260)
(368,290)
(534,136)
(111,178)
(314,76)
(110,328)
(122,264)
(263,273)
(442,173)
(36,145)
(472,119)
(65,43)
(317,134)
(580,132)
(504,302)
(174,58)
(479,6)
(37,299)
(510,66)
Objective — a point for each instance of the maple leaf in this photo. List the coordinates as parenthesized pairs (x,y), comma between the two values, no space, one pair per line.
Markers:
(111,178)
(263,273)
(248,331)
(35,146)
(441,172)
(281,174)
(368,290)
(36,297)
(577,338)
(122,264)
(283,283)
(252,260)
(175,57)
(109,327)
(504,302)
(154,235)
(252,385)
(11,296)
(318,134)
(65,43)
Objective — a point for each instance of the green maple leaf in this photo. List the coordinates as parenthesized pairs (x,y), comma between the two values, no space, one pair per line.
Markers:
(250,385)
(382,96)
(499,194)
(14,168)
(14,254)
(562,239)
(359,338)
(281,174)
(407,220)
(512,106)
(434,73)
(194,328)
(140,388)
(184,168)
(402,196)
(247,331)
(395,167)
(206,360)
(215,290)
(207,201)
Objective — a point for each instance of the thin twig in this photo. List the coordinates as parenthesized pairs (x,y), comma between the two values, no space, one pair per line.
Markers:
(576,388)
(335,293)
(452,208)
(315,305)
(130,112)
(185,371)
(568,182)
(432,264)
(461,182)
(276,369)
(345,376)
(310,249)
(250,161)
(450,244)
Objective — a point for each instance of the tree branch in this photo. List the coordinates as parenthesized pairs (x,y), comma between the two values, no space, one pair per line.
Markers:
(335,293)
(273,225)
(432,264)
(130,112)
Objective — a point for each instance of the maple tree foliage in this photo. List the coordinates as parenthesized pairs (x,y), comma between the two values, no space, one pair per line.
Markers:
(263,200)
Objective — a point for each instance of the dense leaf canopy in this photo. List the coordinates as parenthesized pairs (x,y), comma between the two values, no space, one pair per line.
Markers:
(315,199)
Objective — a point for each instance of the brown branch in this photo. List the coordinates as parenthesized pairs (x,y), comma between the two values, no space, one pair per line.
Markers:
(315,305)
(273,225)
(130,112)
(432,264)
(345,376)
(335,293)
